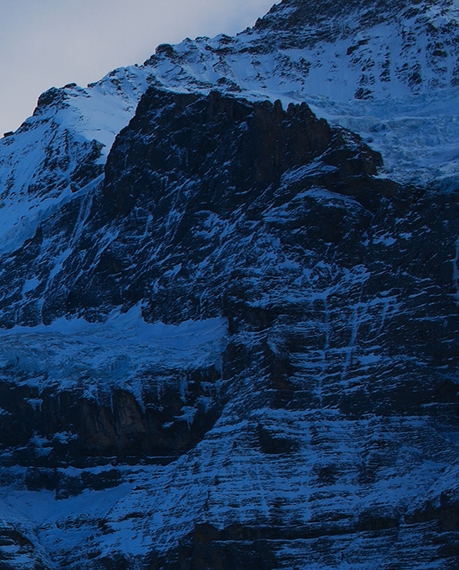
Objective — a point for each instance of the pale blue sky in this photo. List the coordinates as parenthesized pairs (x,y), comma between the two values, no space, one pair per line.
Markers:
(45,43)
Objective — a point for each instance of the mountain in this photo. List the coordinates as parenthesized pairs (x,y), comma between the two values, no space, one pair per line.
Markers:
(229,303)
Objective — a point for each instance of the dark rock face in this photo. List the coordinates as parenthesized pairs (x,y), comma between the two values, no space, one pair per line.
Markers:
(75,429)
(228,159)
(191,167)
(337,393)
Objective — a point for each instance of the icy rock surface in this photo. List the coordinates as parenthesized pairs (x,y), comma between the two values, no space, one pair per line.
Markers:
(229,338)
(387,70)
(322,431)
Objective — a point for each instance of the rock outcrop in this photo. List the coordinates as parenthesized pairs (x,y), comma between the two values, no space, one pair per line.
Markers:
(323,431)
(231,339)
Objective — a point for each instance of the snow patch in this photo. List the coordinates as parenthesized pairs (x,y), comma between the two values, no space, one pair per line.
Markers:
(73,352)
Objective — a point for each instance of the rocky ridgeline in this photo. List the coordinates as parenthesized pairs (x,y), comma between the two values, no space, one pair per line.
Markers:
(345,50)
(325,433)
(320,430)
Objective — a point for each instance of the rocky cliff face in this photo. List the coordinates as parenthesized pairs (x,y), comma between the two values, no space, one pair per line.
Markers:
(235,345)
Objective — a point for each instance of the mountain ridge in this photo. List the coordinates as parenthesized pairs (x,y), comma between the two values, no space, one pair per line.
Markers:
(228,336)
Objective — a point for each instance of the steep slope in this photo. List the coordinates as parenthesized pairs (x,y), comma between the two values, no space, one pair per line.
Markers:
(387,70)
(342,412)
(60,151)
(322,431)
(229,339)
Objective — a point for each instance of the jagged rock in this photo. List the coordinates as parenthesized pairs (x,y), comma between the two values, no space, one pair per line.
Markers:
(273,220)
(237,345)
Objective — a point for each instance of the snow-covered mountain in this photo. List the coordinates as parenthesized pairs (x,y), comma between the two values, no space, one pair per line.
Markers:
(389,71)
(228,324)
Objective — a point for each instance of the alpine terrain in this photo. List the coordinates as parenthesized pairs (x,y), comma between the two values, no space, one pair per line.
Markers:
(229,289)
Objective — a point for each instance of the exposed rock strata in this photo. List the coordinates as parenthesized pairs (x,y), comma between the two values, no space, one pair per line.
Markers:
(331,430)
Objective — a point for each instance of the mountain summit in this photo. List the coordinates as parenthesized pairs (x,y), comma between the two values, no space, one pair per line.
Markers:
(229,303)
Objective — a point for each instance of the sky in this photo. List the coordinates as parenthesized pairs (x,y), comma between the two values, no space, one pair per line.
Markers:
(46,43)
